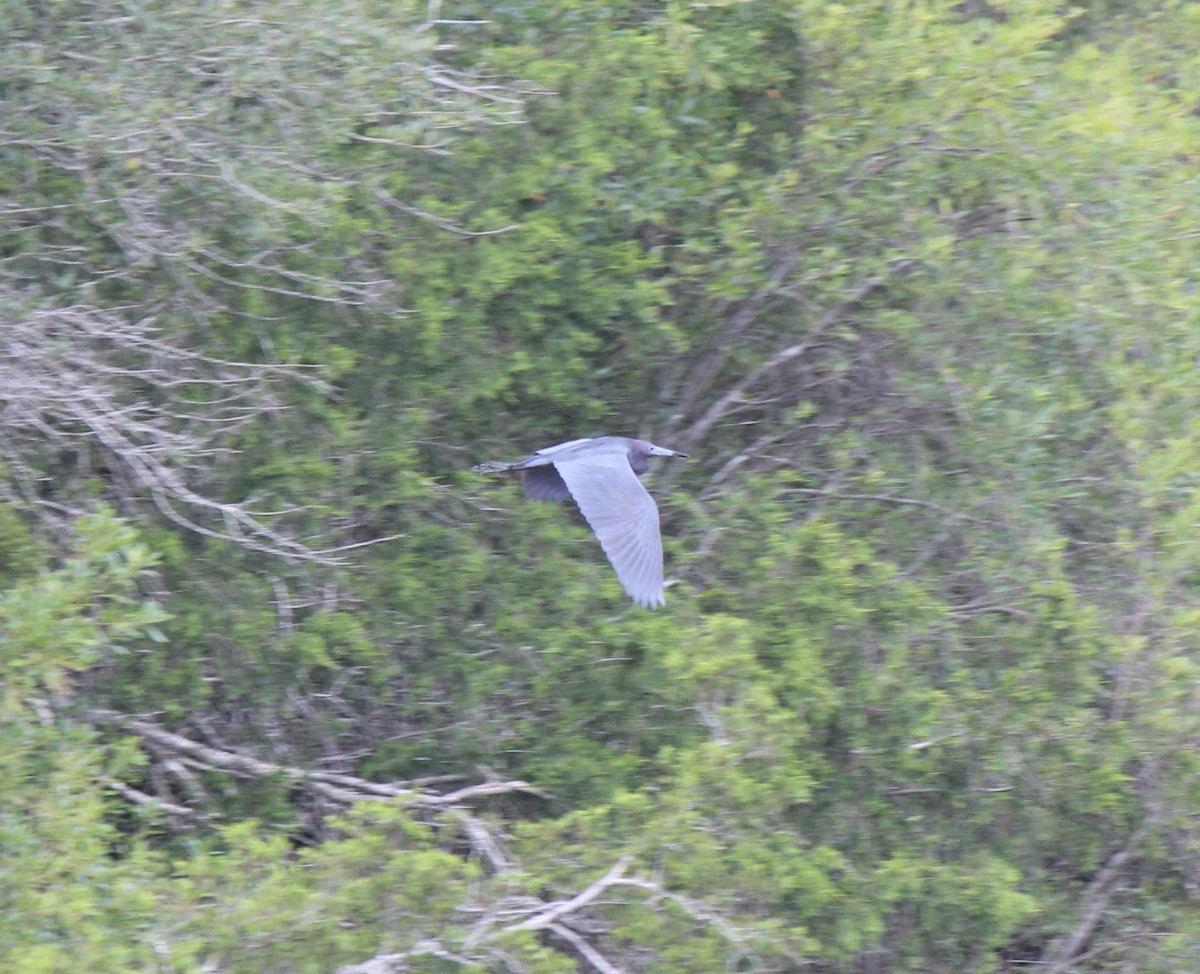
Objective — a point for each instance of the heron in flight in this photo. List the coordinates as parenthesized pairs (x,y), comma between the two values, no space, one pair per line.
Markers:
(601,474)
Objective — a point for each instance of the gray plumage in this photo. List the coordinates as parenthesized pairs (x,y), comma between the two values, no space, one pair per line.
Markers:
(601,474)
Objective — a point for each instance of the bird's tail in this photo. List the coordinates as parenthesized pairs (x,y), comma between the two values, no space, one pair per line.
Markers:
(494,466)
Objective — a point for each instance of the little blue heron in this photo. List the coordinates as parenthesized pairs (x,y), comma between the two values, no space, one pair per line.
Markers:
(602,475)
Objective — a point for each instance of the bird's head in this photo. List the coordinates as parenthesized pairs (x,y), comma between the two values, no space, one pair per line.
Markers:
(662,451)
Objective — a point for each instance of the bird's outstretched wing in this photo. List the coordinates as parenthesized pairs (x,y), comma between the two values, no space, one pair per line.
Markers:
(543,484)
(624,518)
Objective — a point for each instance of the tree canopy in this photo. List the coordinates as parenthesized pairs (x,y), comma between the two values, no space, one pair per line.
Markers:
(286,687)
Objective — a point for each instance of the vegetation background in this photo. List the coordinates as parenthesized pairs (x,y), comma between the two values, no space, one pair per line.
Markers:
(286,688)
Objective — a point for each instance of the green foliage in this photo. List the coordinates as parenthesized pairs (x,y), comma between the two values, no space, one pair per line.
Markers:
(914,284)
(20,554)
(74,889)
(252,906)
(75,893)
(63,621)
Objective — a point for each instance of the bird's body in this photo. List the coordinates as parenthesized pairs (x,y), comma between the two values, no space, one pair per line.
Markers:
(601,474)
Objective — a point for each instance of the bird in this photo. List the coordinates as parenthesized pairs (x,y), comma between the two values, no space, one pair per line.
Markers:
(601,474)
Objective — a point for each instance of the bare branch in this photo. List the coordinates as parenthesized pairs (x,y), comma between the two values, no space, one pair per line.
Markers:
(1096,898)
(694,908)
(188,208)
(564,908)
(340,788)
(560,918)
(141,798)
(718,410)
(742,317)
(438,221)
(383,964)
(586,950)
(889,499)
(79,378)
(482,841)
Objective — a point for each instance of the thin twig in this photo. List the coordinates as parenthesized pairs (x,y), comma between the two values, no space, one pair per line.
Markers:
(889,499)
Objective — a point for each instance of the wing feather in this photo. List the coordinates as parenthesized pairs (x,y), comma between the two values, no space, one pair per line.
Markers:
(543,484)
(624,519)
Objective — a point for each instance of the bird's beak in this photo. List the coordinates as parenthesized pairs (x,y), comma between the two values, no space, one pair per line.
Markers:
(662,451)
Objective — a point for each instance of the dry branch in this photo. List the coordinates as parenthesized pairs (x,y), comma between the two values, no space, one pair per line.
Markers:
(1063,954)
(589,953)
(182,212)
(340,788)
(569,921)
(555,911)
(102,385)
(890,499)
(383,964)
(139,797)
(488,935)
(741,317)
(732,396)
